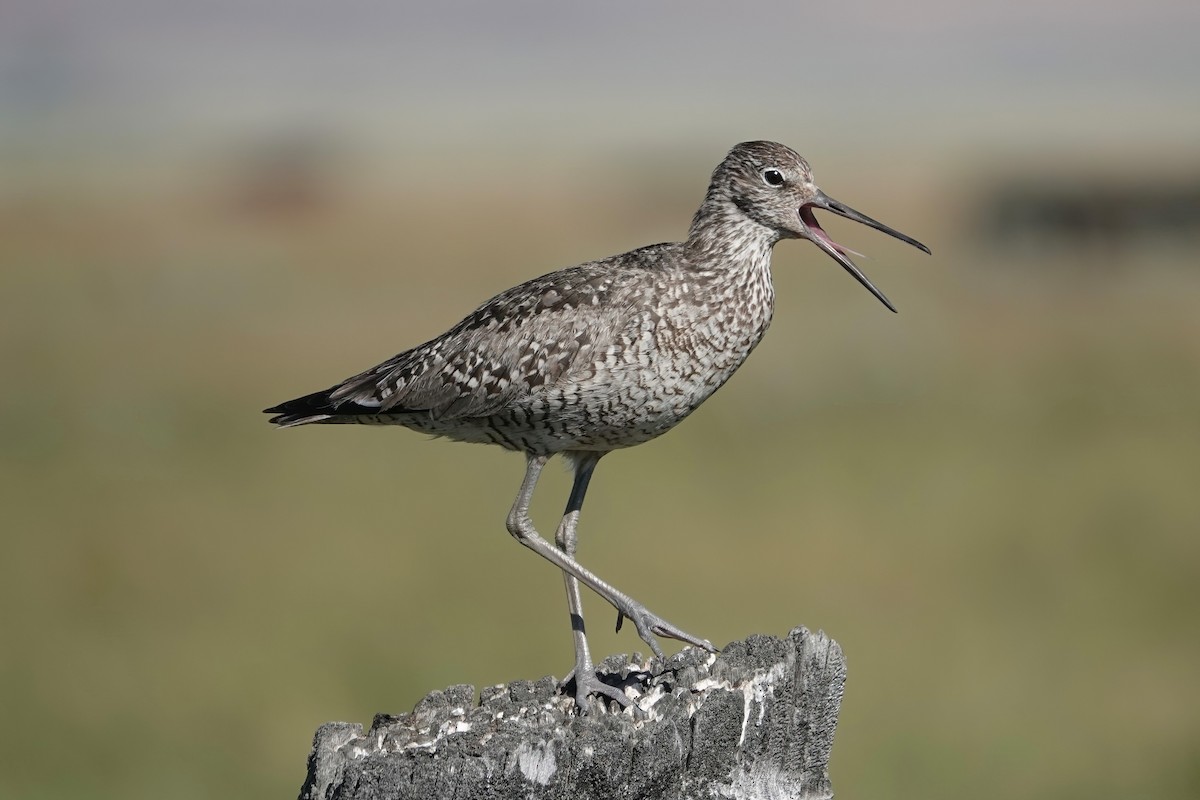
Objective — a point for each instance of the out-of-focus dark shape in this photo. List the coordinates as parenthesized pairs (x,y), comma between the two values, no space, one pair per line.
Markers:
(1088,213)
(286,178)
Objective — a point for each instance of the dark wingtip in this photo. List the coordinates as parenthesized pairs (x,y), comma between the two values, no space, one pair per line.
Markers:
(293,412)
(283,414)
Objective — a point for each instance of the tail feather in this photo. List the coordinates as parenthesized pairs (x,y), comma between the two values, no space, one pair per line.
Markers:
(315,407)
(329,405)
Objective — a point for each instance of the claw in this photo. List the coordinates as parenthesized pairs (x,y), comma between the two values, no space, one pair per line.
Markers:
(592,685)
(648,624)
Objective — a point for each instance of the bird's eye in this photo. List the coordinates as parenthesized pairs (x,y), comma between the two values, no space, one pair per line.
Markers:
(773,177)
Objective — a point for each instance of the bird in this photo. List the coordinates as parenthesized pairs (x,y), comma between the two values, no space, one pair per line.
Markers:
(603,356)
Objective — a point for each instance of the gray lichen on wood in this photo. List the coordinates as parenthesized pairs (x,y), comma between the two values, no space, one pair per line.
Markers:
(755,722)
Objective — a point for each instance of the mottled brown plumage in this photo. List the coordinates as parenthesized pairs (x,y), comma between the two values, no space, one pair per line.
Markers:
(603,355)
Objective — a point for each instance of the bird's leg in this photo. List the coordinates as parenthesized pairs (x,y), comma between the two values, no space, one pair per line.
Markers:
(584,672)
(521,527)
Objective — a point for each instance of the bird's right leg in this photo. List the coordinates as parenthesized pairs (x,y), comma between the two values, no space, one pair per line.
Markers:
(521,527)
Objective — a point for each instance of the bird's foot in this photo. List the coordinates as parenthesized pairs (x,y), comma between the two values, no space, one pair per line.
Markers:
(648,624)
(589,685)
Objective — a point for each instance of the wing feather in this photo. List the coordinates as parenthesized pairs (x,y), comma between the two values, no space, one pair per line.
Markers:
(508,350)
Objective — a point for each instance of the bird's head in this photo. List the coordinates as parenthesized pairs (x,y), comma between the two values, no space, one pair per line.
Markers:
(771,185)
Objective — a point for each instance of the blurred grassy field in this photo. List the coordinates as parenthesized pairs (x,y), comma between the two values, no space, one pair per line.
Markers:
(990,499)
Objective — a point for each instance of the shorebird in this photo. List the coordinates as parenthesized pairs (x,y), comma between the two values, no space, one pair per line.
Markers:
(604,355)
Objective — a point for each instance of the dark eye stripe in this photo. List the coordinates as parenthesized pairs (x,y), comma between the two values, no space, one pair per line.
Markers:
(773,177)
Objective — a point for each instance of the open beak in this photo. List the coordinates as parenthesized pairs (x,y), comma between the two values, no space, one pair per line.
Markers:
(816,234)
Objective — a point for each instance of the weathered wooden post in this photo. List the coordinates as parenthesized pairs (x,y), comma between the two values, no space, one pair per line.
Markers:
(755,722)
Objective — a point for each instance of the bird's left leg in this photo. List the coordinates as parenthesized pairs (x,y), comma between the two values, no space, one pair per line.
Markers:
(584,672)
(520,526)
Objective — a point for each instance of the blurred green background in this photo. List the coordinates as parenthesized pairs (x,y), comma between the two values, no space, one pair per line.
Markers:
(990,500)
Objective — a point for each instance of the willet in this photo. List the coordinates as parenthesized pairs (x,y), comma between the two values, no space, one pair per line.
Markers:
(604,355)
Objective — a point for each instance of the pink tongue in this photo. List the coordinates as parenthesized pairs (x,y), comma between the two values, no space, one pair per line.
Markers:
(810,219)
